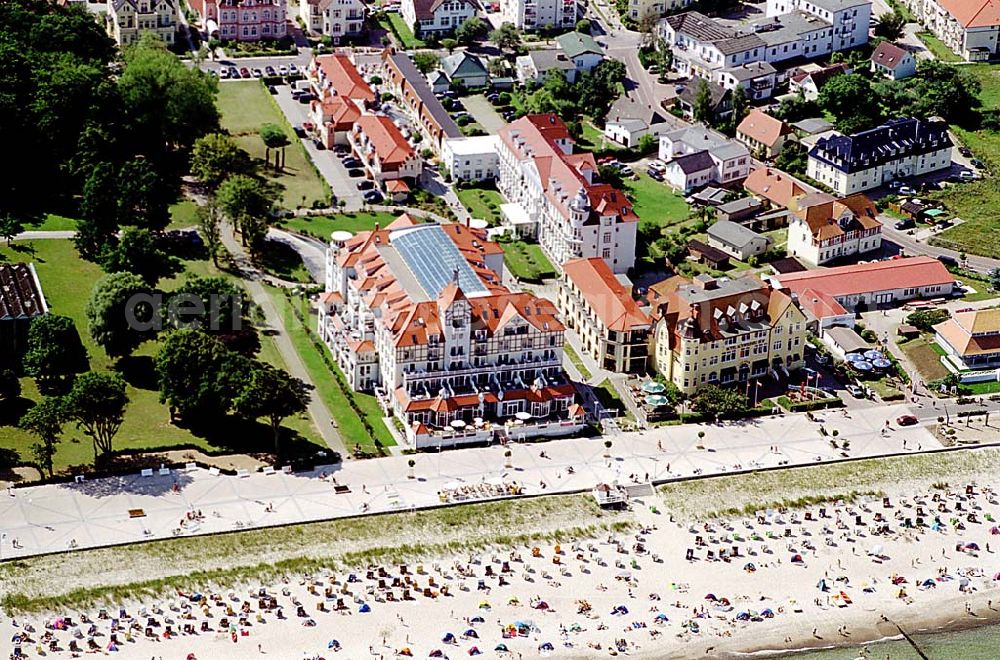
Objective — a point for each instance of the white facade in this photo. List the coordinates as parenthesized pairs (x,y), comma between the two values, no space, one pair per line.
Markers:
(434,15)
(730,159)
(640,9)
(851,19)
(538,14)
(974,35)
(336,18)
(471,158)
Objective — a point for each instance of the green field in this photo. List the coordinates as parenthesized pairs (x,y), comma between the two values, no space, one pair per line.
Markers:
(327,388)
(394,23)
(183,214)
(479,202)
(527,261)
(245,106)
(67,282)
(937,48)
(321,226)
(975,202)
(577,361)
(657,201)
(53,222)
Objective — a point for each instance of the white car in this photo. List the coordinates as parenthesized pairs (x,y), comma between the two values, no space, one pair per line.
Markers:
(855,391)
(283,70)
(906,190)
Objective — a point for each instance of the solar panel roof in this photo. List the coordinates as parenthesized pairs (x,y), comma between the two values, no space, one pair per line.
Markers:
(433,258)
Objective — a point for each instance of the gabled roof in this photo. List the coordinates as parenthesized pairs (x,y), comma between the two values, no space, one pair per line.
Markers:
(773,185)
(888,55)
(904,273)
(731,233)
(605,295)
(20,293)
(837,217)
(463,64)
(908,136)
(424,9)
(969,332)
(822,76)
(577,43)
(820,305)
(973,13)
(699,161)
(343,77)
(763,128)
(391,148)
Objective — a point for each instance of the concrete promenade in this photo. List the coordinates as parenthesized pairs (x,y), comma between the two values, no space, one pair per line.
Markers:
(57,518)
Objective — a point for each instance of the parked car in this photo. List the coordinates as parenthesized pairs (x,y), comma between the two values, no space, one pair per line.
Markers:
(292,69)
(299,131)
(947,261)
(959,284)
(355,172)
(318,144)
(271,89)
(904,224)
(855,391)
(340,149)
(907,190)
(967,176)
(978,164)
(366,184)
(244,72)
(257,73)
(269,70)
(223,73)
(493,98)
(895,185)
(965,151)
(654,174)
(373,197)
(351,161)
(907,420)
(283,70)
(308,125)
(306,98)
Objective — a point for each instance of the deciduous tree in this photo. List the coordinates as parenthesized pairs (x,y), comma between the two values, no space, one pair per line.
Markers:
(273,394)
(97,403)
(216,156)
(54,350)
(45,421)
(138,251)
(120,313)
(507,37)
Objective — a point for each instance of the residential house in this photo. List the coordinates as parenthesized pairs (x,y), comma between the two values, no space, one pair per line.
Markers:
(537,64)
(763,134)
(866,286)
(572,212)
(739,210)
(532,15)
(725,331)
(641,9)
(823,311)
(701,45)
(794,35)
(438,81)
(970,28)
(628,121)
(416,313)
(833,230)
(850,19)
(779,189)
(758,79)
(807,81)
(971,339)
(436,16)
(126,20)
(21,300)
(403,80)
(242,20)
(388,158)
(466,69)
(612,327)
(892,62)
(338,19)
(471,158)
(698,155)
(736,240)
(720,99)
(898,149)
(581,50)
(342,95)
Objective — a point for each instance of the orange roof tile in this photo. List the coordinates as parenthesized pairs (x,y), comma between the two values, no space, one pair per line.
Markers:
(865,278)
(973,13)
(605,295)
(396,186)
(773,185)
(820,305)
(763,128)
(823,218)
(966,332)
(391,148)
(342,75)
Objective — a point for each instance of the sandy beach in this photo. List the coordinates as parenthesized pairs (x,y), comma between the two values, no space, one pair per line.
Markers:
(840,573)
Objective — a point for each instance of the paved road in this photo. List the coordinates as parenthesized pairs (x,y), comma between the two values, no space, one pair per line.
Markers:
(320,414)
(312,252)
(329,166)
(95,513)
(911,246)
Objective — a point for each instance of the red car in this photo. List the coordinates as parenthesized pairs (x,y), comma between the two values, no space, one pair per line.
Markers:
(245,72)
(906,420)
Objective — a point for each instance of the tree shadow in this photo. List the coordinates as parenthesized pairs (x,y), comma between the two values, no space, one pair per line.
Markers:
(12,410)
(138,371)
(280,259)
(133,484)
(239,435)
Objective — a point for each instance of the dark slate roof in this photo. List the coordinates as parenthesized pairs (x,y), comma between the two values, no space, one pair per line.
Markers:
(712,254)
(699,26)
(894,139)
(699,161)
(409,71)
(20,293)
(731,233)
(716,92)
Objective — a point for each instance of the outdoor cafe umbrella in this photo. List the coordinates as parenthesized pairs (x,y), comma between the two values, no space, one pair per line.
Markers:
(523,416)
(873,355)
(653,387)
(862,365)
(881,363)
(657,400)
(854,357)
(458,424)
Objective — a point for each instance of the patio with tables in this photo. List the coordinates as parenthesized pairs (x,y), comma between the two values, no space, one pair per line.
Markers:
(650,398)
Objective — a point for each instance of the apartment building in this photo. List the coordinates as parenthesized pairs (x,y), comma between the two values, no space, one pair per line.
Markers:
(702,46)
(342,96)
(698,155)
(126,20)
(471,158)
(897,149)
(436,16)
(242,20)
(339,19)
(416,312)
(538,14)
(599,306)
(388,158)
(644,9)
(725,331)
(570,211)
(831,230)
(971,28)
(404,81)
(794,35)
(850,19)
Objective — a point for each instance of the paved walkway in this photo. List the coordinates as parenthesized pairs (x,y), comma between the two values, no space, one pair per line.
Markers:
(321,417)
(52,518)
(311,251)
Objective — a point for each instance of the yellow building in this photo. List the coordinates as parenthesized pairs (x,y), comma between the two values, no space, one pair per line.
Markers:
(724,331)
(128,19)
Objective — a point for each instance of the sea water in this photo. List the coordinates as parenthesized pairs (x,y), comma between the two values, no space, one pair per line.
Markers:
(974,644)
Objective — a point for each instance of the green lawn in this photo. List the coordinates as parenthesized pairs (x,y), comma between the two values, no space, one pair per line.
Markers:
(593,138)
(527,261)
(986,387)
(321,226)
(54,222)
(282,261)
(571,353)
(937,48)
(976,203)
(183,214)
(327,387)
(479,201)
(394,23)
(245,105)
(67,282)
(656,201)
(608,396)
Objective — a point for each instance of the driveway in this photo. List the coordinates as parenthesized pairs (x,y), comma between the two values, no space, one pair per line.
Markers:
(483,113)
(329,166)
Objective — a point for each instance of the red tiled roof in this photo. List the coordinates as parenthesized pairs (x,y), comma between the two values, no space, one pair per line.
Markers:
(773,185)
(396,186)
(903,273)
(823,218)
(340,72)
(391,148)
(973,13)
(605,295)
(819,304)
(888,55)
(966,332)
(762,127)
(339,111)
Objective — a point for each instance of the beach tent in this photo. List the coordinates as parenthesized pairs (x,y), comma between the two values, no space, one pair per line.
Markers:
(928,584)
(743,616)
(547,646)
(448,638)
(437,653)
(502,648)
(333,644)
(364,608)
(821,585)
(470,633)
(768,613)
(710,597)
(475,651)
(405,651)
(972,546)
(619,610)
(541,605)
(477,619)
(797,559)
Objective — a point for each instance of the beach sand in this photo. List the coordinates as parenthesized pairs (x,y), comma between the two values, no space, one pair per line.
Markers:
(645,572)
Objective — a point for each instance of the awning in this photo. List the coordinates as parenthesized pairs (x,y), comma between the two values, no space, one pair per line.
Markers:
(934,212)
